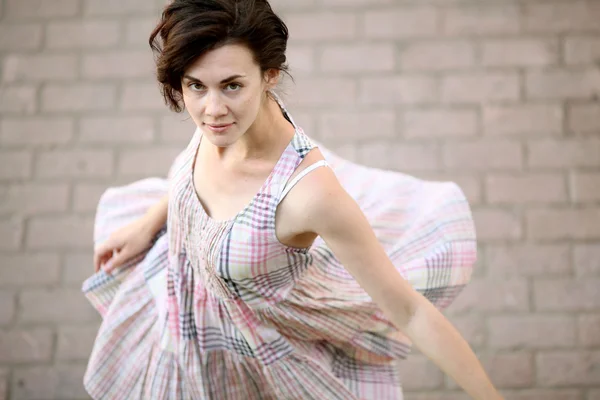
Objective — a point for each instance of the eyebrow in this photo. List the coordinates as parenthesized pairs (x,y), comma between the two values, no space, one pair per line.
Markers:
(226,80)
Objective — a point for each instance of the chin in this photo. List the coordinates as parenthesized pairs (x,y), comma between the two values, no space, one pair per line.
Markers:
(220,140)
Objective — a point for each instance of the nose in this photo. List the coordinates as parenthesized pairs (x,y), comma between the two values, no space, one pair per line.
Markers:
(215,106)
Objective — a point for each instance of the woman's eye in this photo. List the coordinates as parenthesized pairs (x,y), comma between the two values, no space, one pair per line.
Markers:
(196,87)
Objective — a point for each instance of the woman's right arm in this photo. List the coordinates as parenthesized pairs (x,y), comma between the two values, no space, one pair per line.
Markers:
(132,239)
(157,214)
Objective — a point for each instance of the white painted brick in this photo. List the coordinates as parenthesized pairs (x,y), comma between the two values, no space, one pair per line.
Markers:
(525,260)
(75,163)
(323,91)
(564,153)
(29,269)
(564,223)
(39,67)
(84,34)
(437,56)
(142,96)
(119,7)
(481,19)
(118,64)
(117,130)
(558,17)
(497,224)
(72,232)
(20,37)
(436,395)
(15,165)
(526,188)
(178,128)
(4,373)
(396,23)
(8,307)
(301,58)
(523,119)
(493,295)
(18,99)
(484,155)
(137,30)
(587,259)
(506,370)
(79,97)
(562,84)
(589,330)
(354,3)
(34,198)
(568,368)
(147,162)
(285,5)
(36,131)
(60,305)
(440,123)
(78,267)
(347,151)
(63,382)
(480,87)
(585,187)
(355,125)
(546,394)
(398,90)
(568,294)
(582,49)
(584,118)
(358,58)
(532,332)
(399,156)
(322,25)
(520,52)
(19,346)
(75,343)
(87,195)
(24,9)
(11,233)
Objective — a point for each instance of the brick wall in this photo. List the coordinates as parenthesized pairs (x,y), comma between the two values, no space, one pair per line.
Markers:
(500,96)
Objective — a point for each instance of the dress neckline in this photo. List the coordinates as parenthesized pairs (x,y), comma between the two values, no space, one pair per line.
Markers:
(197,141)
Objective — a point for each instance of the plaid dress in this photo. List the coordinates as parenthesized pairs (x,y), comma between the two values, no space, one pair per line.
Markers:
(223,310)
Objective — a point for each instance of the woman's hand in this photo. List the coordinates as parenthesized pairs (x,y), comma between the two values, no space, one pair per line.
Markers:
(124,244)
(131,240)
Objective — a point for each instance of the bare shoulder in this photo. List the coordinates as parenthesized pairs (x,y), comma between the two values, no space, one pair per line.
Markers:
(315,197)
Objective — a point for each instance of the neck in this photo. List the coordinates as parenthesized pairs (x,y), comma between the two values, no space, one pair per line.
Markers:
(268,132)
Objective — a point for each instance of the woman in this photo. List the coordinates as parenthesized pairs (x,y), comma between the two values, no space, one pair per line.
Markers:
(279,275)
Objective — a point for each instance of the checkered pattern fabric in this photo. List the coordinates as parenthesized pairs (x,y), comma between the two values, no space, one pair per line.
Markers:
(223,310)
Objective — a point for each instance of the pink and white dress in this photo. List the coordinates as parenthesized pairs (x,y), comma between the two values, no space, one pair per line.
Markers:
(223,310)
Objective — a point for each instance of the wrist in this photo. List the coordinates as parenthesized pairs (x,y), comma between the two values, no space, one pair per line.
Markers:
(151,223)
(155,218)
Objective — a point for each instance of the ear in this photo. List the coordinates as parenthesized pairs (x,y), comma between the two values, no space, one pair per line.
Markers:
(271,78)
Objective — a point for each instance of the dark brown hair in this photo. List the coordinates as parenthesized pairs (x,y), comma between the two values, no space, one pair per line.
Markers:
(190,28)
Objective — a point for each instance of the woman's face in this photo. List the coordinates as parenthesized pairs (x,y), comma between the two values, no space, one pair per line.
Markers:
(223,91)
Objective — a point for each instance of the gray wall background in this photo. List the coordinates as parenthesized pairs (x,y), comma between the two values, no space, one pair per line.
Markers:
(500,96)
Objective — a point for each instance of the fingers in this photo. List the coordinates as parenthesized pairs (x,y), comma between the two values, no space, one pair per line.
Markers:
(118,258)
(104,252)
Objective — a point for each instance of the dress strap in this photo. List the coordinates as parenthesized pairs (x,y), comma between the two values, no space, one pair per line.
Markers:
(284,110)
(289,186)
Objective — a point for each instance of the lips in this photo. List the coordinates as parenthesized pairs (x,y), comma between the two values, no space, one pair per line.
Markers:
(218,128)
(218,125)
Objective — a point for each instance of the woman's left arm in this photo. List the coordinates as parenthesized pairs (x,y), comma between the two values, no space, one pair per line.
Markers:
(335,216)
